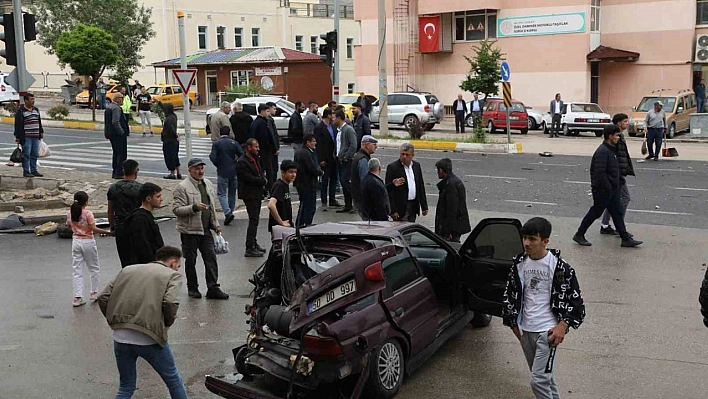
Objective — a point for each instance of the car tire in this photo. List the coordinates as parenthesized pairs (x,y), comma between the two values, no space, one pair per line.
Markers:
(532,124)
(598,134)
(544,127)
(490,128)
(409,121)
(672,131)
(469,121)
(481,320)
(386,370)
(566,131)
(632,134)
(525,131)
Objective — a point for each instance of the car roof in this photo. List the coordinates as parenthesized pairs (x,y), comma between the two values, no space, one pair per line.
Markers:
(386,229)
(668,92)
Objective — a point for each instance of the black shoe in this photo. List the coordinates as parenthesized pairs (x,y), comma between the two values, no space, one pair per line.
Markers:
(259,248)
(25,174)
(581,240)
(253,253)
(194,294)
(648,157)
(608,230)
(217,293)
(631,243)
(345,210)
(335,204)
(656,158)
(37,174)
(229,219)
(179,177)
(170,177)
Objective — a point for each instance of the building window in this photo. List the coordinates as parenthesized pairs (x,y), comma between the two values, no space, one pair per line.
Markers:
(238,37)
(350,48)
(255,37)
(314,48)
(595,16)
(702,12)
(221,37)
(202,37)
(475,25)
(241,78)
(298,43)
(350,88)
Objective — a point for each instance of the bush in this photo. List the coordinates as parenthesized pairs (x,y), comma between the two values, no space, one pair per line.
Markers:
(12,107)
(58,112)
(416,130)
(157,109)
(480,135)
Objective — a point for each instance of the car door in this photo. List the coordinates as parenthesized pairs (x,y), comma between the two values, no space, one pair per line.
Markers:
(394,109)
(682,114)
(282,119)
(488,113)
(177,97)
(487,257)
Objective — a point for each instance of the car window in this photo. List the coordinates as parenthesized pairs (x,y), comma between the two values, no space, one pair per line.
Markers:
(177,90)
(418,239)
(399,271)
(281,112)
(681,103)
(410,99)
(348,99)
(154,90)
(691,101)
(515,107)
(393,99)
(491,107)
(249,109)
(498,241)
(585,108)
(370,99)
(647,103)
(168,90)
(285,104)
(431,99)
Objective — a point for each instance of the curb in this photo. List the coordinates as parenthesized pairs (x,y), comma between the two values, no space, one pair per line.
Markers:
(93,126)
(61,218)
(494,148)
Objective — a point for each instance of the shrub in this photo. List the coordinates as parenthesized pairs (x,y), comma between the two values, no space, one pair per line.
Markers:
(480,135)
(58,112)
(416,130)
(157,109)
(12,107)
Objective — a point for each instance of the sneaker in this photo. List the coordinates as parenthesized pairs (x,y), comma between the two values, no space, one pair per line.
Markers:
(94,296)
(345,210)
(144,134)
(78,302)
(37,174)
(608,230)
(253,253)
(335,204)
(259,248)
(323,208)
(152,134)
(631,243)
(581,240)
(217,293)
(229,219)
(26,174)
(194,293)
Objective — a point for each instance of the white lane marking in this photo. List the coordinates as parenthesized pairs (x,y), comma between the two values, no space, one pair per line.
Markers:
(661,212)
(531,202)
(75,144)
(62,163)
(689,188)
(575,182)
(553,164)
(57,167)
(668,170)
(87,157)
(497,177)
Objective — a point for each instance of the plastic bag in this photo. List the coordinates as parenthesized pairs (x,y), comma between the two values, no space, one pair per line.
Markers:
(44,151)
(221,246)
(17,155)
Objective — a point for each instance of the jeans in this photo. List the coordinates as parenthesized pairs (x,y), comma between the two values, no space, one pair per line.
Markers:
(701,105)
(555,124)
(226,191)
(102,100)
(345,172)
(145,118)
(602,200)
(540,357)
(160,358)
(654,137)
(120,153)
(30,149)
(253,208)
(459,121)
(191,243)
(328,183)
(308,205)
(624,198)
(84,252)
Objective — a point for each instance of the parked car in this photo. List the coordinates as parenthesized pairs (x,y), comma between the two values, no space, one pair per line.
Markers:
(678,106)
(580,117)
(494,116)
(469,118)
(408,108)
(250,105)
(8,94)
(82,99)
(172,94)
(348,99)
(536,121)
(372,301)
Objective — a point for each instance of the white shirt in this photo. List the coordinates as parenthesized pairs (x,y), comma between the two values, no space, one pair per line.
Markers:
(475,106)
(558,107)
(460,103)
(339,139)
(128,336)
(410,179)
(537,278)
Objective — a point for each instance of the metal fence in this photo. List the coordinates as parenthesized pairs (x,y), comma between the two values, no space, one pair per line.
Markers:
(318,10)
(49,81)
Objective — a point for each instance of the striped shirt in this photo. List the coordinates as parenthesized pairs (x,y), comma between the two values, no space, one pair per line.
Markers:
(31,123)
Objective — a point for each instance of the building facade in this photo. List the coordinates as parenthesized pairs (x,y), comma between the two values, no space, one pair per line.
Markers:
(608,51)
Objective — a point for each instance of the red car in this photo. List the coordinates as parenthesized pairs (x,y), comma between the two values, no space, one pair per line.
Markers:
(494,116)
(360,305)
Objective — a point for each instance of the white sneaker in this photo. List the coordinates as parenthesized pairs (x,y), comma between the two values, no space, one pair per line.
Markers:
(94,296)
(78,302)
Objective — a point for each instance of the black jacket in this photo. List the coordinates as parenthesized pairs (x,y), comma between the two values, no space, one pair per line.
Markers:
(273,129)
(703,299)
(169,128)
(224,153)
(145,236)
(325,144)
(451,217)
(113,125)
(374,205)
(398,196)
(241,124)
(261,132)
(251,180)
(624,159)
(362,127)
(20,125)
(308,169)
(295,129)
(464,106)
(604,169)
(354,178)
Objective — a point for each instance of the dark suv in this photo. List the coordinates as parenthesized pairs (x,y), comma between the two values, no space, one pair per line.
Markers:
(365,303)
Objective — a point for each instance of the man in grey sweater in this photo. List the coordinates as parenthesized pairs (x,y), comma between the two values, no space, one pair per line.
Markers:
(219,119)
(345,149)
(656,128)
(311,119)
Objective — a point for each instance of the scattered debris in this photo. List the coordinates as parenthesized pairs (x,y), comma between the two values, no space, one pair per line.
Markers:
(546,154)
(656,207)
(529,205)
(45,229)
(19,209)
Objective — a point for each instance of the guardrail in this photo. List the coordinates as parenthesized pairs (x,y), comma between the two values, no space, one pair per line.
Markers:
(317,10)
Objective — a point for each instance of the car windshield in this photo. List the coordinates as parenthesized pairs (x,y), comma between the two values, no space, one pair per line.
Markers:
(431,99)
(515,107)
(286,104)
(348,99)
(648,103)
(154,90)
(585,108)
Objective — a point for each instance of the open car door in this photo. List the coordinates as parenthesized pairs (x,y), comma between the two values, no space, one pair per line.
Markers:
(486,261)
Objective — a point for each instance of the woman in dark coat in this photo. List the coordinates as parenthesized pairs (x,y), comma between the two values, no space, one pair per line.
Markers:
(170,142)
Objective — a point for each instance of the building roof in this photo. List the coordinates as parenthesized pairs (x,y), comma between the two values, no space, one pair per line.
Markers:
(245,55)
(604,53)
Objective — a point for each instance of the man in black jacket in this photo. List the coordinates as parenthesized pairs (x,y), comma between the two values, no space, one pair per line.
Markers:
(626,169)
(240,124)
(361,124)
(326,135)
(144,233)
(408,199)
(261,132)
(360,168)
(375,205)
(460,108)
(224,153)
(451,217)
(114,130)
(295,129)
(250,190)
(605,181)
(307,180)
(273,129)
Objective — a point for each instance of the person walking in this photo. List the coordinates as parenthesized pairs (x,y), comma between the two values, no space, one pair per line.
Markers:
(460,107)
(477,108)
(311,119)
(29,134)
(451,217)
(114,130)
(325,134)
(624,160)
(123,198)
(407,199)
(267,145)
(307,180)
(542,300)
(170,142)
(240,124)
(375,205)
(101,91)
(193,204)
(279,205)
(345,149)
(295,127)
(360,168)
(605,182)
(144,104)
(251,184)
(140,304)
(141,227)
(273,129)
(93,98)
(224,154)
(365,104)
(361,123)
(219,119)
(655,122)
(700,91)
(556,110)
(83,246)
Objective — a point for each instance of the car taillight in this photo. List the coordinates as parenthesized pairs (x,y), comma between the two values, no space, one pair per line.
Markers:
(2,87)
(581,120)
(605,121)
(374,272)
(426,108)
(317,346)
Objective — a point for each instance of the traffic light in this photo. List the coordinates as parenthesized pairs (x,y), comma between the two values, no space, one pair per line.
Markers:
(29,21)
(8,36)
(328,49)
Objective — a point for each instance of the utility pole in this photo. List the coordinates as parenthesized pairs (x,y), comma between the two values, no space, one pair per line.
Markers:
(383,89)
(22,84)
(185,103)
(335,60)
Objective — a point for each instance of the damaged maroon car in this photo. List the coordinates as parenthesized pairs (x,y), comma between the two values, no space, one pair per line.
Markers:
(363,305)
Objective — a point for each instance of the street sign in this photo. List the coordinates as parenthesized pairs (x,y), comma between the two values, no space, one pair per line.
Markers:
(12,80)
(185,78)
(335,90)
(507,94)
(505,71)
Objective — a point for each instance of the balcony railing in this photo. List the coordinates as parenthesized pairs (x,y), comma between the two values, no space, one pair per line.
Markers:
(317,10)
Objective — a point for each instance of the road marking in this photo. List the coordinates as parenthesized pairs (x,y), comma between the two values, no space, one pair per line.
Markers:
(75,144)
(575,182)
(553,164)
(497,177)
(661,212)
(62,163)
(531,202)
(689,188)
(668,170)
(84,158)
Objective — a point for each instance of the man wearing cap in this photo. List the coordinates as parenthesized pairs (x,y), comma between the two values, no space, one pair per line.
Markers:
(360,168)
(219,119)
(361,123)
(193,204)
(251,177)
(656,128)
(224,154)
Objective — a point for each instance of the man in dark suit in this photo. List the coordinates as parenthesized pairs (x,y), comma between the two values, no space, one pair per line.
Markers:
(556,110)
(250,189)
(451,217)
(375,205)
(476,108)
(325,134)
(460,108)
(295,128)
(268,146)
(408,198)
(240,124)
(307,180)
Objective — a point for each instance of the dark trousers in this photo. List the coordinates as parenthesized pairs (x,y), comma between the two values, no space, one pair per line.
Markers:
(701,105)
(123,246)
(191,243)
(308,203)
(328,184)
(411,211)
(654,138)
(610,200)
(267,162)
(345,172)
(459,121)
(555,124)
(119,144)
(253,208)
(170,151)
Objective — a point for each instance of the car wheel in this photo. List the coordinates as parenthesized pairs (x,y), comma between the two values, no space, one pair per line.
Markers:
(525,131)
(532,124)
(469,121)
(481,320)
(410,121)
(544,127)
(598,134)
(386,370)
(490,127)
(566,131)
(672,131)
(632,134)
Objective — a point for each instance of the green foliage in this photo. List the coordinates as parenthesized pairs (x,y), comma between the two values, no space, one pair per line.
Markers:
(484,75)
(235,92)
(58,112)
(157,109)
(87,49)
(12,107)
(479,133)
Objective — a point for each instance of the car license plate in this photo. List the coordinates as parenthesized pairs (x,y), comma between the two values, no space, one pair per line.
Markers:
(514,118)
(332,295)
(593,120)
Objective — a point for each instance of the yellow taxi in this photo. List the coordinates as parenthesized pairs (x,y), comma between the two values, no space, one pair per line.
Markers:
(170,94)
(82,99)
(348,99)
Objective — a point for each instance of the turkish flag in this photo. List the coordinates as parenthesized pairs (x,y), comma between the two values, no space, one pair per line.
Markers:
(429,34)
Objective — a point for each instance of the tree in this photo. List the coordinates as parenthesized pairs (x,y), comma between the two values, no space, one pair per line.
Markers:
(484,75)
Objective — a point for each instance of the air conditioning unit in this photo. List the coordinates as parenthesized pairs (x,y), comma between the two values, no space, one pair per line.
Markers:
(701,49)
